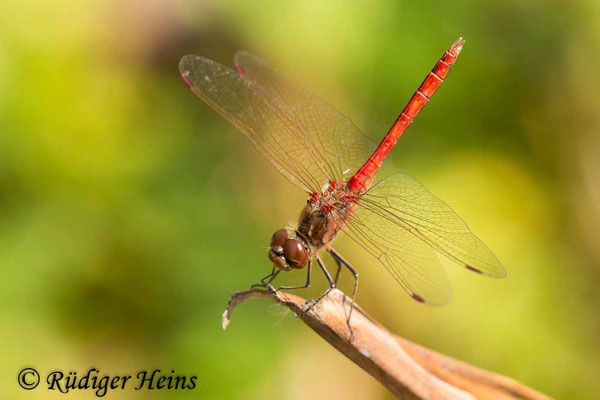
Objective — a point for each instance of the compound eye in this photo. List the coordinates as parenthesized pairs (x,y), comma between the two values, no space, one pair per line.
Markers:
(295,253)
(279,237)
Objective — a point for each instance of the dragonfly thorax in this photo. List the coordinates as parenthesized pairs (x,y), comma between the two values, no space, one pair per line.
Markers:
(326,213)
(323,216)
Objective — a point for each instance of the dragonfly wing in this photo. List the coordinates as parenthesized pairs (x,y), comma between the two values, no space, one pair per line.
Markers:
(265,119)
(340,143)
(411,261)
(401,223)
(408,206)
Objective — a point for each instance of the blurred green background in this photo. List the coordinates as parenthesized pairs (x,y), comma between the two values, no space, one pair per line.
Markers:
(129,210)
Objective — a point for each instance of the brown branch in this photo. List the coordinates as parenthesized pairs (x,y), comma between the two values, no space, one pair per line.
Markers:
(408,370)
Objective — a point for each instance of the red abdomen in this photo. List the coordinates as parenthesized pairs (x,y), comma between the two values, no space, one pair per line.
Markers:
(361,180)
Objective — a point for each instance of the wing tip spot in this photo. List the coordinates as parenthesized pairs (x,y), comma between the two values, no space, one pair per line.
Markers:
(473,269)
(185,75)
(417,298)
(240,70)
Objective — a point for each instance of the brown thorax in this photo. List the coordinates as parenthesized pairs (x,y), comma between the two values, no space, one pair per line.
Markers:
(323,216)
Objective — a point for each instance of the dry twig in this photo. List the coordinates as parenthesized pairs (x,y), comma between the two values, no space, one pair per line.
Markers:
(408,370)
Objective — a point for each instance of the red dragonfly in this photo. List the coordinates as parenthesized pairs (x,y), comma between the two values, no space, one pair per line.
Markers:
(318,149)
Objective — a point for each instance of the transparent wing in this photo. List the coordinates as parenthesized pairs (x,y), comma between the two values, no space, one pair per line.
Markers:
(265,119)
(400,222)
(340,143)
(409,206)
(411,261)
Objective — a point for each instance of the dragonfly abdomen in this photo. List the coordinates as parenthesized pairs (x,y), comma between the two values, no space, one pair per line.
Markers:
(360,182)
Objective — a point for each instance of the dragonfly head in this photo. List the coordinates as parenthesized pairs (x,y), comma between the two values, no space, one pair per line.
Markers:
(287,253)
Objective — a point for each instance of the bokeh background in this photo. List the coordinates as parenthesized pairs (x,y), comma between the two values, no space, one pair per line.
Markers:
(129,210)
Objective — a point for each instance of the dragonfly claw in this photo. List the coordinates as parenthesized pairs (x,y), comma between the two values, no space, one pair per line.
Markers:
(314,302)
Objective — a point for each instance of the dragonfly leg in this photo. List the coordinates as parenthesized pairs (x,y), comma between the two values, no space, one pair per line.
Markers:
(264,282)
(308,277)
(340,260)
(329,279)
(339,269)
(327,274)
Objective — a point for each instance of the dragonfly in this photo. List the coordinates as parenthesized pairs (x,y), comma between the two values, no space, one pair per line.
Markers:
(324,153)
